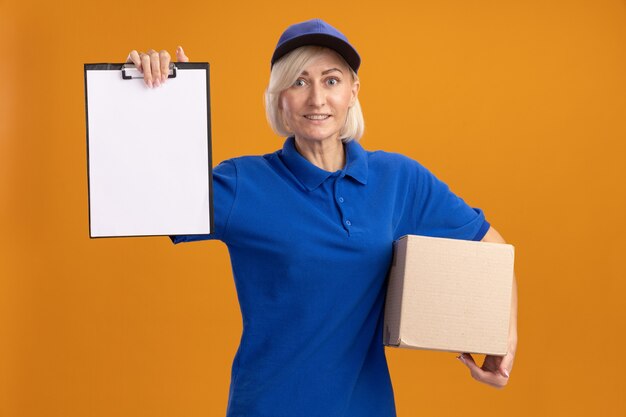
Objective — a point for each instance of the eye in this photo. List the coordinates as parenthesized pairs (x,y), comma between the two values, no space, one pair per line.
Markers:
(299,82)
(333,81)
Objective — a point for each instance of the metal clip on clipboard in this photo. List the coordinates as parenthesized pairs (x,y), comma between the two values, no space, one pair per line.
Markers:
(129,71)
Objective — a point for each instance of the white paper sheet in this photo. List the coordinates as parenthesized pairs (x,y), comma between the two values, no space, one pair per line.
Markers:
(149,155)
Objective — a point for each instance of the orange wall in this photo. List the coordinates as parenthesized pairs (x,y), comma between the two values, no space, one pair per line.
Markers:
(520,106)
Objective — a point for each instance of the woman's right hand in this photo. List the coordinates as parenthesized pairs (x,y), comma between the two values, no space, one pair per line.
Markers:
(155,65)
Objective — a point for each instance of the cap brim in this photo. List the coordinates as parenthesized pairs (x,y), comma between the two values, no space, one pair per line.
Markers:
(341,47)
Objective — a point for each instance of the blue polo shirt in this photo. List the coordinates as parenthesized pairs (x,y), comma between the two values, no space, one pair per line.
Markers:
(310,252)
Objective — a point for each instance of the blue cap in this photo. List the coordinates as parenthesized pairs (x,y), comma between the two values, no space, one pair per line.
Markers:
(316,32)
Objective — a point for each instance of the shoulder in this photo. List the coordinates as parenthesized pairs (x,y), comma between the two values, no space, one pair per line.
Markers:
(383,161)
(244,163)
(380,156)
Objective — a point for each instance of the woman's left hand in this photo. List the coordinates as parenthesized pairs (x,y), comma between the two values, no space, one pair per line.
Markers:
(495,370)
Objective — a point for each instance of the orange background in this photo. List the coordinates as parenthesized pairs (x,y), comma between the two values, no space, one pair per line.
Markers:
(520,106)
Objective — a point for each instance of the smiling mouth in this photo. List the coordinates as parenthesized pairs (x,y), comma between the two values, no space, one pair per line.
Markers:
(317,116)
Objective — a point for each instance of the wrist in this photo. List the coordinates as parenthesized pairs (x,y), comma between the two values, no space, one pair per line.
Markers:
(512,344)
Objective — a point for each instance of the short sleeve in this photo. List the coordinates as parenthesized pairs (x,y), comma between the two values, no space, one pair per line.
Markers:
(224,193)
(441,213)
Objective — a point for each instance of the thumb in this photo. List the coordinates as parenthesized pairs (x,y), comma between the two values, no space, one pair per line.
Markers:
(506,365)
(180,55)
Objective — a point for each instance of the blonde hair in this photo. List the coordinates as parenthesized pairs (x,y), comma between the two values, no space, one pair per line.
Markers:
(285,72)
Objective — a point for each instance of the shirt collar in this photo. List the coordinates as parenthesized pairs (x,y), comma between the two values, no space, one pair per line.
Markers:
(312,177)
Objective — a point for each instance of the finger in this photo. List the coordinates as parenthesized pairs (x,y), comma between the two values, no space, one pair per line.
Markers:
(180,55)
(490,378)
(507,364)
(476,372)
(147,73)
(155,66)
(133,57)
(468,361)
(165,64)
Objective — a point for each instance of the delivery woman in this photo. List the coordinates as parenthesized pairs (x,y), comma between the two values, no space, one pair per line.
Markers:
(310,228)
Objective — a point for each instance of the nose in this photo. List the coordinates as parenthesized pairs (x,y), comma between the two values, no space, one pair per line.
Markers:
(317,96)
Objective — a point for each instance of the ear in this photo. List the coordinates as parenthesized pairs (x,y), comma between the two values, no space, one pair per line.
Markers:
(356,85)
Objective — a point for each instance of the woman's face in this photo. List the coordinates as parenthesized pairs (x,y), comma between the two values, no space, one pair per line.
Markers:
(315,107)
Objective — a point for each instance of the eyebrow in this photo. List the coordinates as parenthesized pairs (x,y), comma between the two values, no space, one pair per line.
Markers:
(325,72)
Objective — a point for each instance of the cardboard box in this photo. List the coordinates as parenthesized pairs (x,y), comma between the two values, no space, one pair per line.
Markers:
(449,295)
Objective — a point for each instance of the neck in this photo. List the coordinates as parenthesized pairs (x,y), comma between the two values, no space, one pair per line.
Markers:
(328,155)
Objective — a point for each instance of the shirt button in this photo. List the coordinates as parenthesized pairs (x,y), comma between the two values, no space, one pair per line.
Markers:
(348,222)
(341,199)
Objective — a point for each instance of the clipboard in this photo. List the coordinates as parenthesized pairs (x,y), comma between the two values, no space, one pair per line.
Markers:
(149,158)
